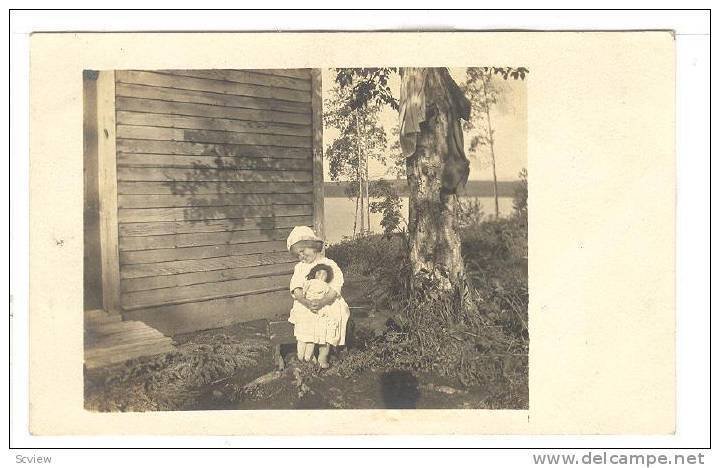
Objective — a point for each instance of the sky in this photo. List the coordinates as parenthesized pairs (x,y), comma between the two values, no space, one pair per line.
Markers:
(509,118)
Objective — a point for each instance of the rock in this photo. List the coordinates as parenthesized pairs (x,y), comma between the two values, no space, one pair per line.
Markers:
(298,377)
(264,379)
(444,389)
(303,390)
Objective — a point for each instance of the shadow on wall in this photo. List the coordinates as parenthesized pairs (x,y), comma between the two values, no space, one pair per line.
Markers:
(213,194)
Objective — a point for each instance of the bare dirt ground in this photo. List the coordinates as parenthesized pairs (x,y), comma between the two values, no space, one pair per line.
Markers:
(305,386)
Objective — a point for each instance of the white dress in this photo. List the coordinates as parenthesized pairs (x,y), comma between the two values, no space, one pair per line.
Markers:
(329,324)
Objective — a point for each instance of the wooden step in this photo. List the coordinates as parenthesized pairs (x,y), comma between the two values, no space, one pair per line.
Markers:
(109,340)
(125,348)
(98,317)
(112,359)
(115,327)
(137,335)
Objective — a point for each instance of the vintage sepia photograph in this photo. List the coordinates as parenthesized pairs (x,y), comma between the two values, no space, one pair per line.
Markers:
(350,238)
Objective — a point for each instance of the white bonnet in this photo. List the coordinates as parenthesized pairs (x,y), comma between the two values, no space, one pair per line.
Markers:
(302,233)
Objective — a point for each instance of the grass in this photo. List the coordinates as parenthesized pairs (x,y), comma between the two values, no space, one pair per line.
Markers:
(476,334)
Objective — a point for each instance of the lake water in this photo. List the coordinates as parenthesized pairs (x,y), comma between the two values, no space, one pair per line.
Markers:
(339,214)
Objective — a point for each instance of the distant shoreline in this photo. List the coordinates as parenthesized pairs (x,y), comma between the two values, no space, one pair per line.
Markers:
(474,188)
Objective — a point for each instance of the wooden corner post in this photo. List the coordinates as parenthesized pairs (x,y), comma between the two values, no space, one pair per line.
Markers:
(317,144)
(107,190)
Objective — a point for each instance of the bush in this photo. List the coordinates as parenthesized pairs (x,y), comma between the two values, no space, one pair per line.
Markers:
(382,258)
(520,199)
(463,334)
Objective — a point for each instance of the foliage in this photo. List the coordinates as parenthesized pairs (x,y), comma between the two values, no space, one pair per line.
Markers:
(368,86)
(398,169)
(360,135)
(389,206)
(510,72)
(520,199)
(172,381)
(469,212)
(484,91)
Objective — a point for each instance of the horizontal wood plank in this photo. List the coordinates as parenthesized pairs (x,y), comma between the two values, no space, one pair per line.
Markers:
(202,97)
(224,199)
(143,215)
(184,279)
(114,327)
(201,239)
(210,123)
(208,110)
(211,162)
(172,187)
(203,292)
(211,149)
(207,264)
(214,86)
(190,253)
(193,316)
(194,177)
(302,73)
(146,350)
(244,76)
(210,136)
(219,225)
(135,336)
(122,348)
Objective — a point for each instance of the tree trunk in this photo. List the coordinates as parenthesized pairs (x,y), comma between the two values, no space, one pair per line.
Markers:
(367,192)
(434,239)
(357,201)
(491,139)
(360,177)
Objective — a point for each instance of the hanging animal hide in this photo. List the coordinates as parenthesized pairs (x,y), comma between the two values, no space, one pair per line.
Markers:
(416,108)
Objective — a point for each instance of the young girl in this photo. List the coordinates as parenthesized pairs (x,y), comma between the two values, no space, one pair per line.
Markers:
(319,313)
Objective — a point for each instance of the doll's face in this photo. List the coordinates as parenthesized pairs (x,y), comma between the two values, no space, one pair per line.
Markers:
(321,275)
(307,254)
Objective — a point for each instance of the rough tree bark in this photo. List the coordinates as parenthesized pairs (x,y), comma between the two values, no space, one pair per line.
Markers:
(436,166)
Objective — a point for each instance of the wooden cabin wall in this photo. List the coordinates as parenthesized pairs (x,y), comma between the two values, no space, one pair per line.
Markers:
(214,168)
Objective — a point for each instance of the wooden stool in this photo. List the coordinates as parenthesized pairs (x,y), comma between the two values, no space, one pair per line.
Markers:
(280,332)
